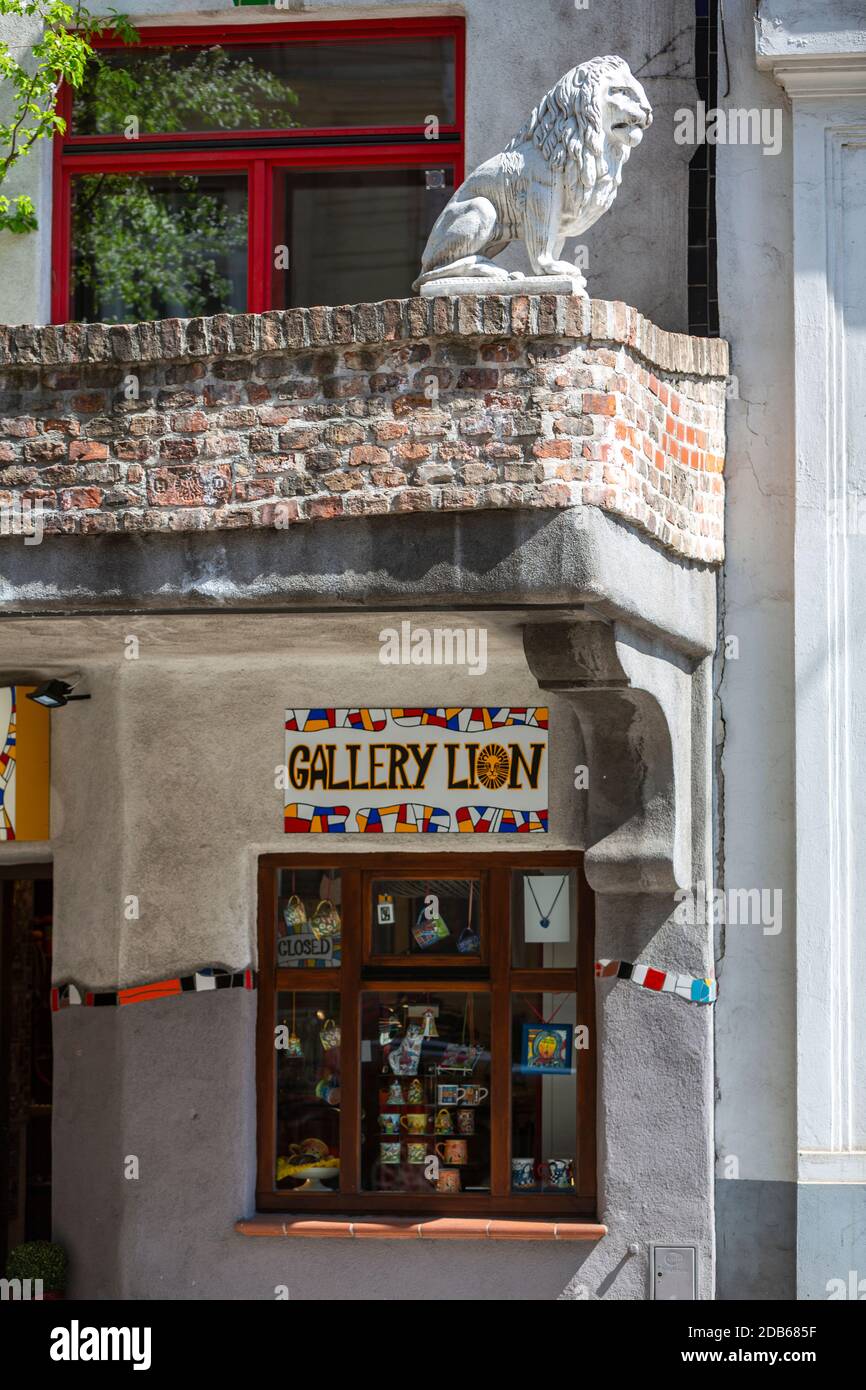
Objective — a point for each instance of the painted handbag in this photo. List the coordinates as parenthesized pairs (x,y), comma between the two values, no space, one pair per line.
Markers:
(295,914)
(325,921)
(330,1035)
(428,930)
(469,942)
(404,1058)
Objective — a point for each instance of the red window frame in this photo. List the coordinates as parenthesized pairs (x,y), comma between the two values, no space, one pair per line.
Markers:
(76,154)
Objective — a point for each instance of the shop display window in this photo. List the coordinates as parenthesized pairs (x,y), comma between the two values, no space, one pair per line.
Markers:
(446,1060)
(425,1091)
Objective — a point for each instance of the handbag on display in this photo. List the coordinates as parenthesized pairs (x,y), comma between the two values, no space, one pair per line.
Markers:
(295,914)
(404,1058)
(325,921)
(330,1035)
(428,930)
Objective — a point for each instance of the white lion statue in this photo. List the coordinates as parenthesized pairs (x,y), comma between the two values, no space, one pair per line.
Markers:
(553,180)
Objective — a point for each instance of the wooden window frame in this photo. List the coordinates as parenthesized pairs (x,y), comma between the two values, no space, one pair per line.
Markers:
(494,976)
(259,153)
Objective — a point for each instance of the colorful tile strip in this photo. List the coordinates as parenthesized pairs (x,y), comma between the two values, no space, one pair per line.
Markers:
(65,996)
(462,719)
(697,991)
(411,817)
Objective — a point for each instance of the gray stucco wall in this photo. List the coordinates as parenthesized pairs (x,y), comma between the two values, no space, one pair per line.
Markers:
(755,1017)
(516,51)
(163,788)
(173,1083)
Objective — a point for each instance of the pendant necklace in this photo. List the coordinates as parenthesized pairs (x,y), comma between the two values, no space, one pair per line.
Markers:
(544,921)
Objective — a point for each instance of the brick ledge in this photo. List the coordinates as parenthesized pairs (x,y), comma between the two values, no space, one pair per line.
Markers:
(390,320)
(403,1228)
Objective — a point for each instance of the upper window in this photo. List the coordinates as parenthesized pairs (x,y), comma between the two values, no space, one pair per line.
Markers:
(426,1035)
(255,167)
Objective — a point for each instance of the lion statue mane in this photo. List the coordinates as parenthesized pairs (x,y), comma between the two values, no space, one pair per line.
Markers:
(553,180)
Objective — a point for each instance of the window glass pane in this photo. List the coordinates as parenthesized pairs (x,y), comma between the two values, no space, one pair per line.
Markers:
(425,1092)
(307,1041)
(151,246)
(309,918)
(426,917)
(544,919)
(267,87)
(352,236)
(544,1054)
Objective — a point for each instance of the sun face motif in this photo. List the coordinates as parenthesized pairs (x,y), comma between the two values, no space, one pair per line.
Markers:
(493,766)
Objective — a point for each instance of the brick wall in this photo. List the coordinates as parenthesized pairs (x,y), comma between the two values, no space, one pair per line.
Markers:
(308,415)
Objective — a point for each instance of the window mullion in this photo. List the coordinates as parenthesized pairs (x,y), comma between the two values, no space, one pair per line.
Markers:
(350,1031)
(258,259)
(499,939)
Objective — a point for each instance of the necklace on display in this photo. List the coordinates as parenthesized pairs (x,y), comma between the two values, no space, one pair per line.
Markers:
(544,918)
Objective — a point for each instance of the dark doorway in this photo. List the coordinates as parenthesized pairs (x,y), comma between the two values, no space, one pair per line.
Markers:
(25,1042)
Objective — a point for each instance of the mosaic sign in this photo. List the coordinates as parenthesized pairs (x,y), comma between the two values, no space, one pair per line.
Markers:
(480,771)
(24,768)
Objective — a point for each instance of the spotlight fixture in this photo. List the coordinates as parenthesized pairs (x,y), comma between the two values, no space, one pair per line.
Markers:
(54,694)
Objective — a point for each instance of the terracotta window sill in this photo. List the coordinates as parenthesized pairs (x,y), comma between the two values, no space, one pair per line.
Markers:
(401,1228)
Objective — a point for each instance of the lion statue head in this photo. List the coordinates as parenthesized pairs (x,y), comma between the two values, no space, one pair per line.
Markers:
(594,117)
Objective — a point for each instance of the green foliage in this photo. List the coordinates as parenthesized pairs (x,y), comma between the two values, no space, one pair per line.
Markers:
(146,251)
(60,54)
(17,214)
(169,89)
(39,1259)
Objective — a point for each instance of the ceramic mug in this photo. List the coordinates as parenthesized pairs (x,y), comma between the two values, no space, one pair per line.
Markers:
(443,1123)
(416,1152)
(556,1172)
(449,1094)
(414,1124)
(474,1095)
(453,1151)
(389,1122)
(523,1172)
(448,1180)
(389,1153)
(465,1121)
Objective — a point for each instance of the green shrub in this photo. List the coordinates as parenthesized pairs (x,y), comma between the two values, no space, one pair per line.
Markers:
(39,1259)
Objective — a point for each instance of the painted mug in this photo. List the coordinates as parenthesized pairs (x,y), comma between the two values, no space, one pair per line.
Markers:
(449,1094)
(389,1153)
(453,1151)
(389,1122)
(416,1152)
(523,1172)
(448,1180)
(443,1123)
(557,1172)
(414,1124)
(474,1095)
(465,1121)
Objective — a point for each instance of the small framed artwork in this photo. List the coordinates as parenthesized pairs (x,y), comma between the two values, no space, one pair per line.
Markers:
(546,1049)
(385,910)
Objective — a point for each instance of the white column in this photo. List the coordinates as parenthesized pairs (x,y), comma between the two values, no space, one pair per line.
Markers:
(828,95)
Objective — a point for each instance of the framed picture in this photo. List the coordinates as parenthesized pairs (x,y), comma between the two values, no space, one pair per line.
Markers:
(546,1049)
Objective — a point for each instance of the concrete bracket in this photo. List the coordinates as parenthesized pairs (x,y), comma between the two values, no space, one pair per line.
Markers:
(633,700)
